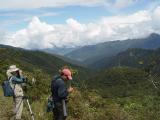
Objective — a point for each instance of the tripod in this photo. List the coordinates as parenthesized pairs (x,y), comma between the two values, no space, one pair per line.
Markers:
(29,106)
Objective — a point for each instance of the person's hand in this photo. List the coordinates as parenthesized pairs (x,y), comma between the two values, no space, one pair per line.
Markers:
(70,89)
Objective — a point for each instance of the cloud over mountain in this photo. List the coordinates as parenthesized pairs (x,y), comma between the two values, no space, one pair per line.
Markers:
(39,34)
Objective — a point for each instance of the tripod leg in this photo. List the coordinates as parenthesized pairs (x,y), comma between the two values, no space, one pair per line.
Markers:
(30,110)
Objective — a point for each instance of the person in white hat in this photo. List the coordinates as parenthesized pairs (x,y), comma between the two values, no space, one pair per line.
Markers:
(15,75)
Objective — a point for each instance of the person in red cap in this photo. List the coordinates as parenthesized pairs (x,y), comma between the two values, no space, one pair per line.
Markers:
(60,92)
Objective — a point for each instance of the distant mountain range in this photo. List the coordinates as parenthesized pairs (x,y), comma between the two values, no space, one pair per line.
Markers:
(100,55)
(93,54)
(139,58)
(59,51)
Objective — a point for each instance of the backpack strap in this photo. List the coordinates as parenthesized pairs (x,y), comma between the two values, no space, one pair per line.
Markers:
(56,77)
(10,81)
(10,78)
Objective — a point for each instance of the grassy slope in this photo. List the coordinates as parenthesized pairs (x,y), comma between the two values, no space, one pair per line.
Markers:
(5,106)
(42,66)
(126,92)
(32,60)
(131,90)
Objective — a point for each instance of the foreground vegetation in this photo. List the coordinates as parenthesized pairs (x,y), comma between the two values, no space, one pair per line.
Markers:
(118,93)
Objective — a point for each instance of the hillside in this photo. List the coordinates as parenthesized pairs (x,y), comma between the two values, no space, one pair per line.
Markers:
(32,60)
(132,90)
(42,67)
(140,58)
(59,51)
(118,93)
(93,53)
(71,61)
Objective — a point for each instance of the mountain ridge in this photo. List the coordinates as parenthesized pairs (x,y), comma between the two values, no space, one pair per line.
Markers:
(91,54)
(135,57)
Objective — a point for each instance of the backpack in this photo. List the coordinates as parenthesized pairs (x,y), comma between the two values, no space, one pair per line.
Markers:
(50,104)
(7,89)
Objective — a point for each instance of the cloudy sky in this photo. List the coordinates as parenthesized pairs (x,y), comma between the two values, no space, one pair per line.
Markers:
(39,24)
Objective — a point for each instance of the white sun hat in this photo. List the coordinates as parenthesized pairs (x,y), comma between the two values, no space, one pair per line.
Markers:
(13,68)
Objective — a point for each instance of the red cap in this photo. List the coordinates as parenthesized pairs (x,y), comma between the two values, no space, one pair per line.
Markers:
(67,73)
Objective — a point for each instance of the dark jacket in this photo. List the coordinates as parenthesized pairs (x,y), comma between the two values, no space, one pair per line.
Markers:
(58,89)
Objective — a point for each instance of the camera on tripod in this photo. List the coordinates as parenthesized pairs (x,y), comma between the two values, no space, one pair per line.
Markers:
(25,80)
(25,83)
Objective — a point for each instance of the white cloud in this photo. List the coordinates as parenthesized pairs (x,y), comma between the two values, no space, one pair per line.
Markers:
(123,3)
(48,3)
(124,27)
(39,35)
(74,25)
(21,4)
(2,34)
(156,19)
(20,17)
(33,36)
